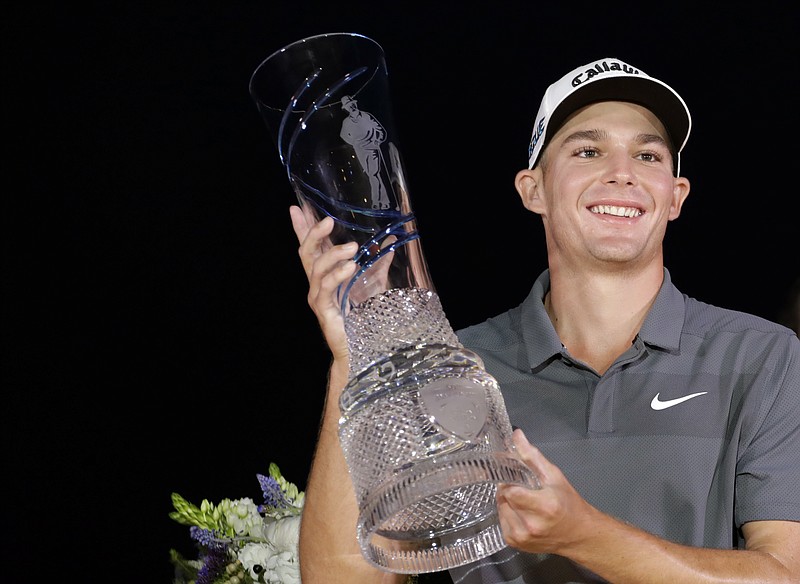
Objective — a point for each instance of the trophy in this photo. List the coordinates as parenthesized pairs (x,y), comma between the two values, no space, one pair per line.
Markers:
(423,426)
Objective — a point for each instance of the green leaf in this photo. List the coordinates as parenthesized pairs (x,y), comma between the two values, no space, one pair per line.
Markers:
(184,571)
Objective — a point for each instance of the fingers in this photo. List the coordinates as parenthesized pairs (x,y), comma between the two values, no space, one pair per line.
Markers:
(314,238)
(299,223)
(312,235)
(327,272)
(327,267)
(526,515)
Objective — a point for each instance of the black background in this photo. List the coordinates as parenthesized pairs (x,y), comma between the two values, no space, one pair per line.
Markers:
(156,335)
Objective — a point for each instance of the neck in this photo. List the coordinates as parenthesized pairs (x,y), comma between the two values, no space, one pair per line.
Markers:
(597,316)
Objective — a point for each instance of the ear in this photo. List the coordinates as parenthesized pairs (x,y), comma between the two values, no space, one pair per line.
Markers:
(528,183)
(680,191)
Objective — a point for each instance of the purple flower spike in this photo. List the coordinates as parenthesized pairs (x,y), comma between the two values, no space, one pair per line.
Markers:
(274,497)
(213,566)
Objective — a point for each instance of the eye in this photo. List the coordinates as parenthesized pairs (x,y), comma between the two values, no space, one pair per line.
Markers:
(650,156)
(587,152)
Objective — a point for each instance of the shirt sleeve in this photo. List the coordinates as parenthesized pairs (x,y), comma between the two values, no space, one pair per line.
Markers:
(768,466)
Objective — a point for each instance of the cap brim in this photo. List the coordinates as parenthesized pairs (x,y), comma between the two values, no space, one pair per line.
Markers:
(645,91)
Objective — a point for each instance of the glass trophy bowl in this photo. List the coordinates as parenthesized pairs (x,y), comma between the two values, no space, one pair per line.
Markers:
(423,426)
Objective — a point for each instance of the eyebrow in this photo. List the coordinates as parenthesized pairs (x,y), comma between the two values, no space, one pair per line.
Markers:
(599,135)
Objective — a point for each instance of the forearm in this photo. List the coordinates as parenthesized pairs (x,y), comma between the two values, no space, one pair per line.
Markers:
(625,554)
(329,550)
(556,519)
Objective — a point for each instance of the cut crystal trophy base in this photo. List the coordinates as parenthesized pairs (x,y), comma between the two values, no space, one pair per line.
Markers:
(426,437)
(412,524)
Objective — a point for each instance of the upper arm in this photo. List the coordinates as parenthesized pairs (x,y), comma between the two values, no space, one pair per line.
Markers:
(780,539)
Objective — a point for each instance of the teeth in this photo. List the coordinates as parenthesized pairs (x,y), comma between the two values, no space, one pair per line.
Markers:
(614,210)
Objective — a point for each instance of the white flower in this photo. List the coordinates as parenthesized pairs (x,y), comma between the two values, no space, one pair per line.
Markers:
(267,564)
(242,515)
(283,568)
(274,560)
(283,533)
(255,554)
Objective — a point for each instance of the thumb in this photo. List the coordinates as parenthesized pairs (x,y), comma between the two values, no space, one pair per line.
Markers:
(533,458)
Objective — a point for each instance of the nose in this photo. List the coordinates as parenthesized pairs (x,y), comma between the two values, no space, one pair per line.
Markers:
(619,169)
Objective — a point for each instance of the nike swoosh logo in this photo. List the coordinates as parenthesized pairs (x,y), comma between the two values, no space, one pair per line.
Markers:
(657,404)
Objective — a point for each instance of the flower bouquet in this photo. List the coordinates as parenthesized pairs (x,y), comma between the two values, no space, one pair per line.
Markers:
(240,542)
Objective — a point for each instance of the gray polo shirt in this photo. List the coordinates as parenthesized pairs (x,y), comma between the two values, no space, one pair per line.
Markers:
(694,431)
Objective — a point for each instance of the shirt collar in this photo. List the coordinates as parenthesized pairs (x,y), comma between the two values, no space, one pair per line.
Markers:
(662,327)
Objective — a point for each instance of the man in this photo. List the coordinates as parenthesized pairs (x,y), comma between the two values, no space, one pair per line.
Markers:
(665,432)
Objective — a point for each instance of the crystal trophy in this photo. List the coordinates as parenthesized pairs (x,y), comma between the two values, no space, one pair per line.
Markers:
(423,426)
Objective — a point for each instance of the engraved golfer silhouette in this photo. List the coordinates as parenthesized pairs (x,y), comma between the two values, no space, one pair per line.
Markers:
(365,134)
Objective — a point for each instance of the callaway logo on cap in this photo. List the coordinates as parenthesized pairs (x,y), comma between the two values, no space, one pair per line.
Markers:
(609,80)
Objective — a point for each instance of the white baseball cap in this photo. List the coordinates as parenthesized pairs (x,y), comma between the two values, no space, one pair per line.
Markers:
(609,80)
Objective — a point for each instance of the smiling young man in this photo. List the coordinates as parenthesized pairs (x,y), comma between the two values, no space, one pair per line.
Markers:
(665,432)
